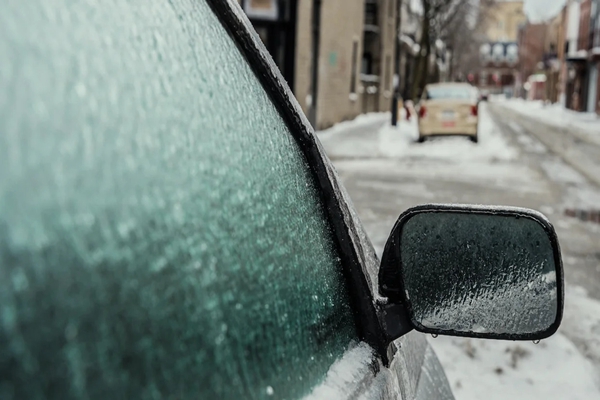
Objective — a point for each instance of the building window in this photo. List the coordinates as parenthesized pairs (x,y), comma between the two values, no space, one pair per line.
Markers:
(512,53)
(498,52)
(483,78)
(354,62)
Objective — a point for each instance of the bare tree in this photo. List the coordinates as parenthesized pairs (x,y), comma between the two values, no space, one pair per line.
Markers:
(466,36)
(456,23)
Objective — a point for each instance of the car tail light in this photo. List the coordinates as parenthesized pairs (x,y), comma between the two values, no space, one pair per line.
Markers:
(474,110)
(422,111)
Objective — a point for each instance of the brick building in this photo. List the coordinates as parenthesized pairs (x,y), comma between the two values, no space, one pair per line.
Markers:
(504,20)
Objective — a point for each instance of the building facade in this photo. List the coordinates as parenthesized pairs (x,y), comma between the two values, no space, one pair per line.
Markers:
(336,55)
(504,20)
(377,64)
(582,56)
(500,52)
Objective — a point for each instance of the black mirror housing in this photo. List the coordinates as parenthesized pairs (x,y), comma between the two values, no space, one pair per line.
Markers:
(473,271)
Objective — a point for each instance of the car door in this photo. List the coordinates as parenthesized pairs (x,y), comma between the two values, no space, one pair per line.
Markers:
(413,370)
(169,226)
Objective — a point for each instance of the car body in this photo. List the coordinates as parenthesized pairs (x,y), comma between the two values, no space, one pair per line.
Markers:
(170,226)
(448,109)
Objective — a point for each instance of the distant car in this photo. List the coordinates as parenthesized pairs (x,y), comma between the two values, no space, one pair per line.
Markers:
(448,109)
(171,228)
(484,95)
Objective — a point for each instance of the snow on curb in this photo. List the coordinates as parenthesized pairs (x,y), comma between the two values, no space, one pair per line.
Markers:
(359,121)
(345,375)
(586,124)
(400,141)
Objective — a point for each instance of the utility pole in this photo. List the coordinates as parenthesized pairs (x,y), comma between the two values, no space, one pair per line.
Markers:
(396,94)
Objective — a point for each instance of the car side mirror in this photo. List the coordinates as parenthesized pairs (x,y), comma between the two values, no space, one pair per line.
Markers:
(475,271)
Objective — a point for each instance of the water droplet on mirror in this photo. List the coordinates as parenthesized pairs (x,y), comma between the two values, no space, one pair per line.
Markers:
(536,341)
(433,335)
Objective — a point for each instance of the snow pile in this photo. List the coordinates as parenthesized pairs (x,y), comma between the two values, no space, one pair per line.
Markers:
(362,121)
(380,148)
(493,369)
(363,128)
(586,124)
(445,158)
(401,142)
(346,374)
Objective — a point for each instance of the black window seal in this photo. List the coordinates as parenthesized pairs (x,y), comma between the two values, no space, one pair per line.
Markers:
(367,319)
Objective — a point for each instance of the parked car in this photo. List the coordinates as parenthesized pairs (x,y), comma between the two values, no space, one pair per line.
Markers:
(448,109)
(170,227)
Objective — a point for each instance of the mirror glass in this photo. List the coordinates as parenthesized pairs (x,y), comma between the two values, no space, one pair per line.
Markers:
(479,273)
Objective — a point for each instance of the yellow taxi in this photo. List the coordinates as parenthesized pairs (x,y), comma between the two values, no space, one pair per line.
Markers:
(448,109)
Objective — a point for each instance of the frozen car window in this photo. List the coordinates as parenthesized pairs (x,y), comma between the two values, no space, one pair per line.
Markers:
(161,235)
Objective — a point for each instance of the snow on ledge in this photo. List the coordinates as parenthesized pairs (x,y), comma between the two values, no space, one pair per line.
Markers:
(360,121)
(346,375)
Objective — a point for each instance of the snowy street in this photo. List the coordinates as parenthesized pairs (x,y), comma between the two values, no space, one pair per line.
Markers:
(386,171)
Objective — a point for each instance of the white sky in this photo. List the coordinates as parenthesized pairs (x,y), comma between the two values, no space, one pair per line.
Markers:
(536,10)
(542,9)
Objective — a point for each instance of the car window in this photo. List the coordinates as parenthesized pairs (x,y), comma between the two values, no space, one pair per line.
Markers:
(161,233)
(448,92)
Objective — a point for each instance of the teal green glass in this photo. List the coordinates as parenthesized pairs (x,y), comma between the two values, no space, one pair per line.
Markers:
(161,234)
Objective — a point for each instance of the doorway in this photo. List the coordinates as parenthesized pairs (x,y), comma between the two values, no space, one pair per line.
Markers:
(275,22)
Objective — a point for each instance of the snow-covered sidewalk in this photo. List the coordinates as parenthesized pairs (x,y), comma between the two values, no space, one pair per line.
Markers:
(586,125)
